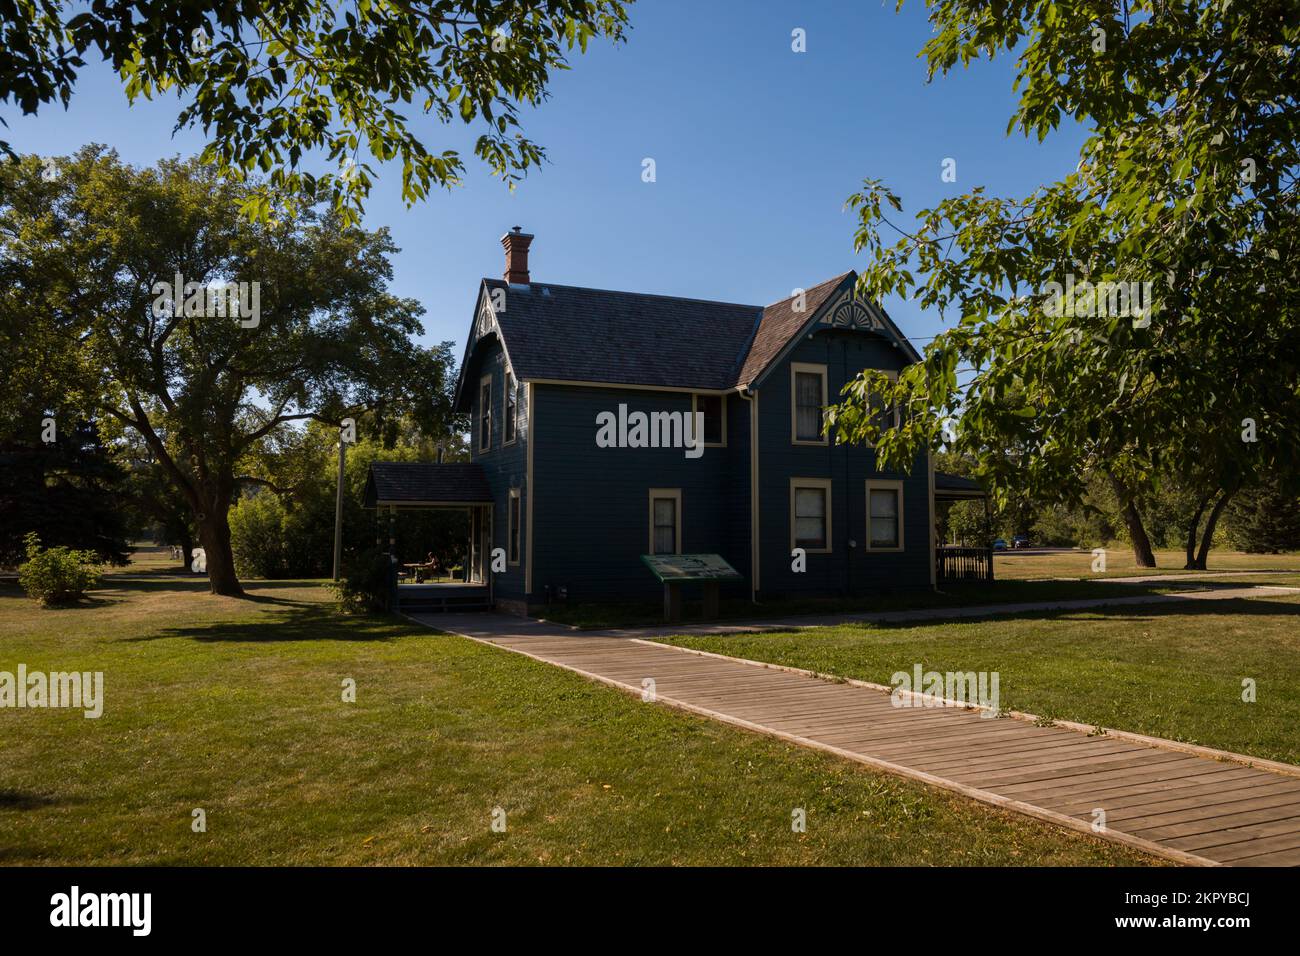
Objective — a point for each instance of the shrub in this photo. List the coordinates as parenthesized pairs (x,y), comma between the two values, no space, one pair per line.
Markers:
(257,536)
(56,575)
(367,585)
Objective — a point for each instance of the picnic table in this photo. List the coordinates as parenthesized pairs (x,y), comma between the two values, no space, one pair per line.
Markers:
(419,567)
(674,570)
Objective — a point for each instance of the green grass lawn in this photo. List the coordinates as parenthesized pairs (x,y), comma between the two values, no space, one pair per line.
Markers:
(1011,565)
(235,707)
(633,614)
(1173,671)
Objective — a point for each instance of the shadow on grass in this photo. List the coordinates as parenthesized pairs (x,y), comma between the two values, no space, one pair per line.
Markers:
(298,621)
(1134,613)
(19,800)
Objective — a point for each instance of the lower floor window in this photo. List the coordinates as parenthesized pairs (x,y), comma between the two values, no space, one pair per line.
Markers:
(513,526)
(665,521)
(884,515)
(810,514)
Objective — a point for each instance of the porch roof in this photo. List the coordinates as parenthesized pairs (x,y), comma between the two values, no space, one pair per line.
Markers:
(426,484)
(956,488)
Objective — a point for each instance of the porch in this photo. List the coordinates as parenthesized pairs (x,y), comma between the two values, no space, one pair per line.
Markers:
(451,575)
(953,563)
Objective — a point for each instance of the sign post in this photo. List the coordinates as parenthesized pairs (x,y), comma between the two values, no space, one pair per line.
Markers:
(674,570)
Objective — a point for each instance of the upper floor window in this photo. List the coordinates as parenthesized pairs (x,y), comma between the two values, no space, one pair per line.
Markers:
(807,403)
(714,408)
(883,415)
(485,413)
(512,408)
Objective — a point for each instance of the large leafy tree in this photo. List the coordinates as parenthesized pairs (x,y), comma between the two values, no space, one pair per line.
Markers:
(87,255)
(1188,182)
(274,84)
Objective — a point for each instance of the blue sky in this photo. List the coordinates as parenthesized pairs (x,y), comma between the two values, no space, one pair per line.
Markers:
(756,149)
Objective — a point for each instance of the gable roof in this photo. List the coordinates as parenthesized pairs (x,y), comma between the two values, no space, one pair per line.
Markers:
(625,338)
(781,322)
(596,336)
(424,482)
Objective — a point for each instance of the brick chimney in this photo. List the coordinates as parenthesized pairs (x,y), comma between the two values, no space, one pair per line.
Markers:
(516,243)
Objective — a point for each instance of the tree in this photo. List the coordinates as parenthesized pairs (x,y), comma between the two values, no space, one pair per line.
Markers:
(273,84)
(1116,322)
(272,323)
(69,491)
(1265,519)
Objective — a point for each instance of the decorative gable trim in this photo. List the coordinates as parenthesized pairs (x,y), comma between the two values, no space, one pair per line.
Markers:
(485,323)
(847,311)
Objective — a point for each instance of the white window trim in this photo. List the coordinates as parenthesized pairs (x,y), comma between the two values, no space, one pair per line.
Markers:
(695,407)
(827,486)
(509,379)
(875,483)
(675,493)
(510,527)
(812,369)
(485,446)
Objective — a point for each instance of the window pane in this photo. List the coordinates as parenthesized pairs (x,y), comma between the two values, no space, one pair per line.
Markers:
(514,529)
(808,404)
(512,407)
(810,517)
(665,512)
(809,502)
(884,517)
(665,529)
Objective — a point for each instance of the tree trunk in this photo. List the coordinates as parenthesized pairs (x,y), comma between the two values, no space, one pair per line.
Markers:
(1207,538)
(1137,534)
(1142,554)
(214,533)
(1191,534)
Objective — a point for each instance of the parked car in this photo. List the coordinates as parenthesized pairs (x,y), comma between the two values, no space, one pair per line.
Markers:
(1000,544)
(1019,541)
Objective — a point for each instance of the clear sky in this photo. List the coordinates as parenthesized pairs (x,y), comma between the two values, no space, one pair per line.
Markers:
(756,148)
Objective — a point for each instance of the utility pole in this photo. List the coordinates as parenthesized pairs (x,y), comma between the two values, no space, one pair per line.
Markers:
(346,433)
(338,511)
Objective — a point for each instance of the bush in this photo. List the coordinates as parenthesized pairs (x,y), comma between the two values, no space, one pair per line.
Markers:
(56,575)
(257,536)
(367,585)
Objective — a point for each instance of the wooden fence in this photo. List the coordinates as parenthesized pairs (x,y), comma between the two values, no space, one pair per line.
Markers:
(963,564)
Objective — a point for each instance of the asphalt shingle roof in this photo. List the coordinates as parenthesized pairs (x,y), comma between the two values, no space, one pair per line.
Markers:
(574,334)
(453,482)
(624,338)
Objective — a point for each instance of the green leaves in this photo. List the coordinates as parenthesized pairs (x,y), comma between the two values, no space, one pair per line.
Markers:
(285,83)
(1054,386)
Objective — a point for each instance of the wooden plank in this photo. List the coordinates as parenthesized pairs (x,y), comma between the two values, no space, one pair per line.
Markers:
(1187,806)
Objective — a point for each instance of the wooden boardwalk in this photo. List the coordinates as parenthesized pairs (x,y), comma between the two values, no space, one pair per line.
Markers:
(1158,796)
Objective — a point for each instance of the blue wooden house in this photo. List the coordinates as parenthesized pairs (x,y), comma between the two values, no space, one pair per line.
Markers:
(610,425)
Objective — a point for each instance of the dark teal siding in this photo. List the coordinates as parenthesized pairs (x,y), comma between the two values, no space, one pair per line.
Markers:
(506,466)
(845,569)
(591,523)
